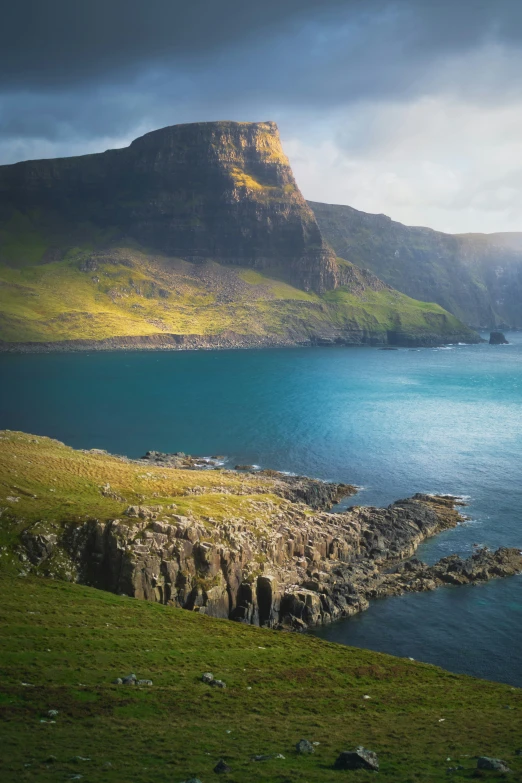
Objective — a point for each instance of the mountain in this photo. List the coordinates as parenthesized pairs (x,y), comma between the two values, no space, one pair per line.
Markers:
(193,235)
(477,277)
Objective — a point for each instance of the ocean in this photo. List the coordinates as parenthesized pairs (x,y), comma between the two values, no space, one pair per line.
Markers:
(445,420)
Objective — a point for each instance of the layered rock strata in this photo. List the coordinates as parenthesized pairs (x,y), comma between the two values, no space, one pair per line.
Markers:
(306,567)
(219,190)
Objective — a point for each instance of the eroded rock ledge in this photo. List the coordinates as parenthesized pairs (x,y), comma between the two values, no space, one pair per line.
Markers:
(303,567)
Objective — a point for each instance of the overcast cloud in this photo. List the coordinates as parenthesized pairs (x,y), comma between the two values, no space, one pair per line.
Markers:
(410,107)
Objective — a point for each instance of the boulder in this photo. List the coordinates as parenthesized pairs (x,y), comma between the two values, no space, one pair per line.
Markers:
(207,677)
(130,680)
(496,765)
(498,338)
(221,767)
(218,684)
(304,746)
(360,758)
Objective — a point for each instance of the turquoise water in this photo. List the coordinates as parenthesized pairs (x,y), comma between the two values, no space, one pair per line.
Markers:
(393,422)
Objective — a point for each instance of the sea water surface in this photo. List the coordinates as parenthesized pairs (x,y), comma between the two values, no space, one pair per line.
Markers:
(394,422)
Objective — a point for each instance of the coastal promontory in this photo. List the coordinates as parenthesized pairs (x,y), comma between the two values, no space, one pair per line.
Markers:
(194,236)
(256,546)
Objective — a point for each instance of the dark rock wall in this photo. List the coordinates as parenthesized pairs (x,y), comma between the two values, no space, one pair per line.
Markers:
(220,190)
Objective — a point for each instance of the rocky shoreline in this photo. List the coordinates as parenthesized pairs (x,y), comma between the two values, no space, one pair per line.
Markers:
(232,340)
(305,568)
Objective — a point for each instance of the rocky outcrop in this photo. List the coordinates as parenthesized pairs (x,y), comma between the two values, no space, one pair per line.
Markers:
(360,758)
(314,493)
(211,190)
(498,338)
(306,568)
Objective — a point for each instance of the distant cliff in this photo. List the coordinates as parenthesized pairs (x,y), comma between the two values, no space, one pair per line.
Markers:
(193,236)
(477,277)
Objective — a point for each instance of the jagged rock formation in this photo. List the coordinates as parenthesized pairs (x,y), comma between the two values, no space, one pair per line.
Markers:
(212,190)
(477,277)
(257,546)
(307,568)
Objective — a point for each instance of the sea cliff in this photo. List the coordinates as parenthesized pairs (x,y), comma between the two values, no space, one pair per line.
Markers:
(194,236)
(256,546)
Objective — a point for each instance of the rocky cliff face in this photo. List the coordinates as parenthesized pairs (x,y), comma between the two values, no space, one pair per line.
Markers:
(215,190)
(307,567)
(477,277)
(256,546)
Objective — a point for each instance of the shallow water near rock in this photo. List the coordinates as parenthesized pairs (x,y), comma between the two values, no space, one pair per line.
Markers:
(398,422)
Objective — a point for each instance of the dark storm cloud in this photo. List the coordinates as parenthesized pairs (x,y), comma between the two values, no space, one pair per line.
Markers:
(96,69)
(59,42)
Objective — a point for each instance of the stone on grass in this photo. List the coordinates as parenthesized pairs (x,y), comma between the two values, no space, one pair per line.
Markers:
(497,765)
(191,780)
(221,767)
(218,683)
(117,681)
(144,682)
(304,746)
(207,677)
(360,758)
(130,679)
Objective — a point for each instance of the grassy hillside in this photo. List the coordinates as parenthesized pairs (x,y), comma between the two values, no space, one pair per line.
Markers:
(45,485)
(63,644)
(50,296)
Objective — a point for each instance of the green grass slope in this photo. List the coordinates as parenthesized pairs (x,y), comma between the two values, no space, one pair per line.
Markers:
(50,296)
(46,485)
(62,644)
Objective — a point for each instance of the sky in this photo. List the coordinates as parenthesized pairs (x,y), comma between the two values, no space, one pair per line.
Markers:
(411,108)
